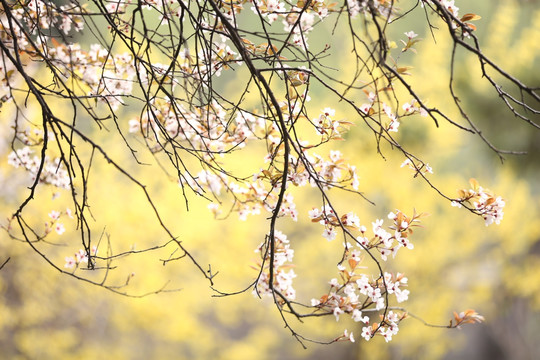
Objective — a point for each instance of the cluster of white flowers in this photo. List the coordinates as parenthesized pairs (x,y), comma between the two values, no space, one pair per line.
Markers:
(483,202)
(207,129)
(328,127)
(51,173)
(55,223)
(261,191)
(283,274)
(355,292)
(413,107)
(296,20)
(386,331)
(492,211)
(425,168)
(382,7)
(394,123)
(385,242)
(333,172)
(250,197)
(270,9)
(30,17)
(326,217)
(450,6)
(393,286)
(375,106)
(80,257)
(108,76)
(38,14)
(213,181)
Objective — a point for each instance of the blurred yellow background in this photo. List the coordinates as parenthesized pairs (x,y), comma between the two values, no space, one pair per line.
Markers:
(457,262)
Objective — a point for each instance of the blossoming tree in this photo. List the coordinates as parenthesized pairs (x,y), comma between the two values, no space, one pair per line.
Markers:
(67,71)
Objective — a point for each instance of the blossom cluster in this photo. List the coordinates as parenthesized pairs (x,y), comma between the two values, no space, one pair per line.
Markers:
(355,293)
(24,28)
(297,19)
(333,171)
(451,8)
(262,191)
(383,8)
(328,127)
(385,242)
(52,172)
(250,197)
(109,77)
(217,136)
(80,257)
(449,5)
(482,202)
(283,274)
(424,168)
(43,15)
(55,223)
(204,128)
(377,107)
(301,23)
